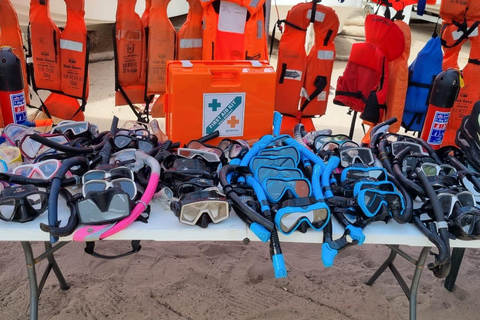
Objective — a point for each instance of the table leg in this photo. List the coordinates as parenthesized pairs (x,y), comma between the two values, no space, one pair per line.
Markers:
(457,257)
(31,261)
(32,279)
(382,268)
(416,281)
(55,267)
(411,293)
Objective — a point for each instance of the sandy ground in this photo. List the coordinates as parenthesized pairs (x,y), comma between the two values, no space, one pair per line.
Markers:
(230,280)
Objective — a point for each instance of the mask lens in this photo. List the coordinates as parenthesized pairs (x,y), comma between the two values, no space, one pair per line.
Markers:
(398,146)
(48,168)
(448,170)
(24,170)
(272,172)
(122,141)
(466,222)
(127,186)
(281,152)
(284,162)
(145,146)
(93,175)
(121,172)
(466,199)
(37,201)
(7,208)
(446,203)
(94,186)
(430,170)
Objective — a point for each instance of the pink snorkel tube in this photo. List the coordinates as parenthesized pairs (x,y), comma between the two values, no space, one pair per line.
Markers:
(92,233)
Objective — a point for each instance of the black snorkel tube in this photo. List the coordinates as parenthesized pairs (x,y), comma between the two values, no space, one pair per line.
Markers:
(408,184)
(17,179)
(441,267)
(103,157)
(259,224)
(464,170)
(55,190)
(72,223)
(407,215)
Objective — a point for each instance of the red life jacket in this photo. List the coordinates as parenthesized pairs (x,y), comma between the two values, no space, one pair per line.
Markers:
(366,82)
(303,78)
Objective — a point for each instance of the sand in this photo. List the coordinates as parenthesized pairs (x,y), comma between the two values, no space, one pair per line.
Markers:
(230,280)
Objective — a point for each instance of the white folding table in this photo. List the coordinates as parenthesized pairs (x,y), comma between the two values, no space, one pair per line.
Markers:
(164,226)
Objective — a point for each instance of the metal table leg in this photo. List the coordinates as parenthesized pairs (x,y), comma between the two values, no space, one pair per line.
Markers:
(416,281)
(35,287)
(457,257)
(32,279)
(410,292)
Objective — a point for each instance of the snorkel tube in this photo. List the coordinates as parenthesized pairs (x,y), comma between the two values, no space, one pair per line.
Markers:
(376,134)
(463,169)
(276,252)
(92,233)
(397,172)
(330,247)
(259,225)
(441,268)
(55,191)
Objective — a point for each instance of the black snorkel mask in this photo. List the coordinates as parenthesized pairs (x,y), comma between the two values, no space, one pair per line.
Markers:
(104,207)
(22,203)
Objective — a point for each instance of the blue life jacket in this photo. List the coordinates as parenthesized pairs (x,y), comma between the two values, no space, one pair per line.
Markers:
(422,73)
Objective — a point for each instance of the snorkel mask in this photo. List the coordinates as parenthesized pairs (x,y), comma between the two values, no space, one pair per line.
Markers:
(22,203)
(201,207)
(102,207)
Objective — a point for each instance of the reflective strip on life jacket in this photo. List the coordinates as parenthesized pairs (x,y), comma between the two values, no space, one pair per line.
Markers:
(232,30)
(189,37)
(11,35)
(73,51)
(45,45)
(161,45)
(398,80)
(297,72)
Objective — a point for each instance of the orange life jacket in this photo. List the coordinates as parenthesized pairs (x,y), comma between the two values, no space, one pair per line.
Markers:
(73,51)
(130,54)
(398,81)
(461,22)
(60,58)
(189,37)
(156,42)
(45,46)
(161,45)
(300,77)
(11,35)
(234,30)
(163,41)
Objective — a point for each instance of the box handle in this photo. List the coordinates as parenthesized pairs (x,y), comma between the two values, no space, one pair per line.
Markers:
(224,77)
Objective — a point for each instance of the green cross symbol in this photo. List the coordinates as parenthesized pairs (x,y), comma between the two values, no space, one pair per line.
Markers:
(214,105)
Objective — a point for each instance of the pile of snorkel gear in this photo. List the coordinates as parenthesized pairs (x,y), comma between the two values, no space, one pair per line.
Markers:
(311,181)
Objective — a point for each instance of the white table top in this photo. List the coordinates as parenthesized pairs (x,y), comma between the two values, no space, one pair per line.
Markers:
(163,225)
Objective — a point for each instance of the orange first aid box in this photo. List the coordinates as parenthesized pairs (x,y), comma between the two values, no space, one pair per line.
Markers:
(234,97)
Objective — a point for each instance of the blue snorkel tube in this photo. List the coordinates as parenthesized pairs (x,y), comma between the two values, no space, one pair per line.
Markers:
(276,252)
(331,248)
